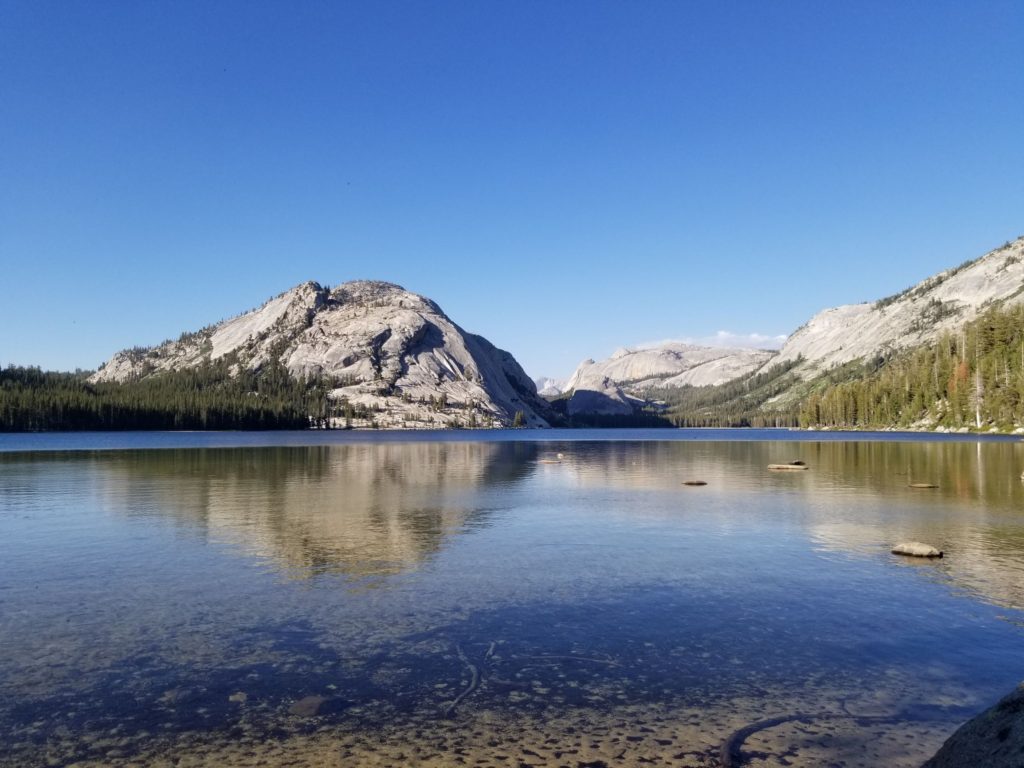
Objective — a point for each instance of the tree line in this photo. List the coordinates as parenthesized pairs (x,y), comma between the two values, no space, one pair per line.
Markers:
(739,403)
(205,397)
(972,377)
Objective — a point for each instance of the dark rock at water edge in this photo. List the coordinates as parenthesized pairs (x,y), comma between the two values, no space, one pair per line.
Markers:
(994,739)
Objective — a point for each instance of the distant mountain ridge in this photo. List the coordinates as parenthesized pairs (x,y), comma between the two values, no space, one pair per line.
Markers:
(701,386)
(401,362)
(617,386)
(387,351)
(548,386)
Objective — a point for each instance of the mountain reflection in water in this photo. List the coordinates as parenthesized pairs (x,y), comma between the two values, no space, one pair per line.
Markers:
(362,510)
(492,597)
(371,510)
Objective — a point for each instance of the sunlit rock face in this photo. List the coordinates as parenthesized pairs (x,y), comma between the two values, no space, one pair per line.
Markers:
(386,348)
(916,316)
(616,385)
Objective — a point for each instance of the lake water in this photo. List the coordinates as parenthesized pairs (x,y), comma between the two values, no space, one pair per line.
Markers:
(502,599)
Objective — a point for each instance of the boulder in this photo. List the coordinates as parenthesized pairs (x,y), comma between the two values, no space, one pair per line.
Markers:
(308,706)
(994,739)
(916,549)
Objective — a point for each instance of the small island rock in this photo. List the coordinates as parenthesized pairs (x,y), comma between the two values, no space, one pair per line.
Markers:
(916,549)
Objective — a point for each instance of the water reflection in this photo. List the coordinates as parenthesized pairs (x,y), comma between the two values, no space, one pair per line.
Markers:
(379,509)
(561,597)
(856,496)
(359,510)
(966,472)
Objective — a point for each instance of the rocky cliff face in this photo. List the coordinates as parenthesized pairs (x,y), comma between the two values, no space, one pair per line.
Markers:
(385,349)
(615,385)
(916,316)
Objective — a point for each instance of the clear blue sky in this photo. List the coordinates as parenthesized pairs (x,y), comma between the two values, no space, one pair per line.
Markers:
(562,177)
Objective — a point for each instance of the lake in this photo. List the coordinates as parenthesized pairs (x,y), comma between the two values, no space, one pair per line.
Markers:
(503,599)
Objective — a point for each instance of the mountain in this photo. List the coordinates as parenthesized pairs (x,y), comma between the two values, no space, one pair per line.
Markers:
(970,378)
(946,353)
(915,316)
(549,387)
(618,385)
(386,353)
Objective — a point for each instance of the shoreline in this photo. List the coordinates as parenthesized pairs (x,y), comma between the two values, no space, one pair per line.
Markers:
(111,440)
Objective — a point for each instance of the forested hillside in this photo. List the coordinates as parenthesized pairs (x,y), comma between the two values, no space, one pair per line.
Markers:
(738,403)
(206,397)
(972,378)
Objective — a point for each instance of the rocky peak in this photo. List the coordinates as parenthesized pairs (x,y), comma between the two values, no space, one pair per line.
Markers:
(388,350)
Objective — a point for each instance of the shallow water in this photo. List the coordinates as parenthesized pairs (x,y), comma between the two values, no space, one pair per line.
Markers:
(417,601)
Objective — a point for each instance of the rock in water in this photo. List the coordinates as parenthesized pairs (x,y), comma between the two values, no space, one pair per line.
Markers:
(916,549)
(308,706)
(994,739)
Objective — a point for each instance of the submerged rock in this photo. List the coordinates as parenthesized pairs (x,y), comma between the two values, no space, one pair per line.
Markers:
(308,706)
(994,739)
(319,706)
(916,549)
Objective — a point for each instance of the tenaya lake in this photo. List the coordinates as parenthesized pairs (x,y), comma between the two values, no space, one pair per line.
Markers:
(503,599)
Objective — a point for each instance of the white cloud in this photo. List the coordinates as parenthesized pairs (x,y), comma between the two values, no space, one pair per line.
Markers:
(724,339)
